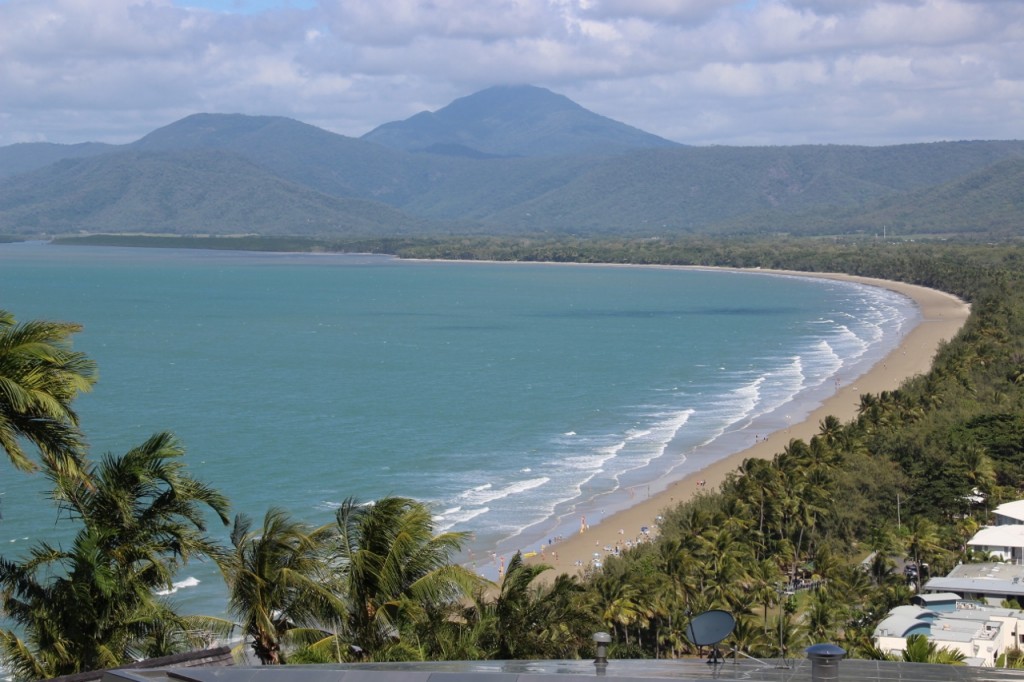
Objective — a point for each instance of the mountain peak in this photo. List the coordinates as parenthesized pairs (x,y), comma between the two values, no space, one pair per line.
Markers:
(515,120)
(512,99)
(216,130)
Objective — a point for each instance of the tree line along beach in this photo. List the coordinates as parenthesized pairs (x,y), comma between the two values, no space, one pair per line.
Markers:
(942,317)
(200,377)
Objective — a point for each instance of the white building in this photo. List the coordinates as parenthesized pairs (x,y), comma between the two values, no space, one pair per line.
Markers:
(981,633)
(1004,542)
(1005,539)
(989,582)
(1009,513)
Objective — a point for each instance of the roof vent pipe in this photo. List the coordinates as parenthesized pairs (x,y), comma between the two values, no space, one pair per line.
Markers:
(601,639)
(824,661)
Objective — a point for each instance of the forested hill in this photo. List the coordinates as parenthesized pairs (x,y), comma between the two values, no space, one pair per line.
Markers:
(505,161)
(514,121)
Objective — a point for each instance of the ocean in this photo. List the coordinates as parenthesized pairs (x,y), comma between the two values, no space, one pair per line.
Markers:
(513,398)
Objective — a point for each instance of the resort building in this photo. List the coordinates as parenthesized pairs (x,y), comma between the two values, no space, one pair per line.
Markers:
(1004,543)
(980,632)
(1010,513)
(990,583)
(1004,540)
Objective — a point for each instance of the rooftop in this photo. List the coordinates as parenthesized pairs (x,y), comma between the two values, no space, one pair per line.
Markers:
(935,598)
(993,570)
(988,578)
(798,670)
(999,536)
(1014,510)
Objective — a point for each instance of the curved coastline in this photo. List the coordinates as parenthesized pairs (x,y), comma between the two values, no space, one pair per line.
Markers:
(942,316)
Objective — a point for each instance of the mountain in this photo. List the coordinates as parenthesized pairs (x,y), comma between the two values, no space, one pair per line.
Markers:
(295,151)
(750,189)
(28,156)
(183,192)
(518,120)
(230,174)
(994,193)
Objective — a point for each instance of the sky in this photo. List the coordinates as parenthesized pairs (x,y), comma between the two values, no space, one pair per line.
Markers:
(702,72)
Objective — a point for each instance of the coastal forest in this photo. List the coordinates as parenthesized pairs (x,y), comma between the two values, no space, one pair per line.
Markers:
(910,479)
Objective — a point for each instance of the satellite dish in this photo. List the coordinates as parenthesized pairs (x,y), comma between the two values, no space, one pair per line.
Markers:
(710,628)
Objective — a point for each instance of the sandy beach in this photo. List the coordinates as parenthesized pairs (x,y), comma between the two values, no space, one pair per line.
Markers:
(942,316)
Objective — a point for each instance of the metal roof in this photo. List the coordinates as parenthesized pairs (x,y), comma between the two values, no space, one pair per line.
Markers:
(985,586)
(992,578)
(1013,510)
(1010,535)
(935,597)
(798,670)
(217,656)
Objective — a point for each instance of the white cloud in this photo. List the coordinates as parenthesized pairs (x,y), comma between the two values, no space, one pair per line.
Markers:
(698,71)
(399,22)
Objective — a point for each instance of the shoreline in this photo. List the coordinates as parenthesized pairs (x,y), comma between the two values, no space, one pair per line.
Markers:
(942,316)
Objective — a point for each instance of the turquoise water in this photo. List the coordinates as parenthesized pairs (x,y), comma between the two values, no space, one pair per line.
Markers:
(511,397)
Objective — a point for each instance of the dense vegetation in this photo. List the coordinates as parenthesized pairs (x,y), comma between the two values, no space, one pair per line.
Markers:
(377,584)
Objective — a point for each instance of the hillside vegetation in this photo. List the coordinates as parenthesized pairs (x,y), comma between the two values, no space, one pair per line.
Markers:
(506,161)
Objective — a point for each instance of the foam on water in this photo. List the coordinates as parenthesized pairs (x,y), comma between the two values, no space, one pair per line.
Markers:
(713,416)
(180,585)
(446,522)
(488,493)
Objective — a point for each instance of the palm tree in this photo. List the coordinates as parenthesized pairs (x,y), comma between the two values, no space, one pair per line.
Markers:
(530,619)
(922,542)
(749,635)
(516,609)
(94,604)
(979,469)
(679,563)
(830,430)
(667,609)
(621,602)
(455,632)
(764,577)
(279,582)
(723,558)
(822,617)
(788,634)
(765,481)
(39,378)
(881,568)
(922,650)
(390,565)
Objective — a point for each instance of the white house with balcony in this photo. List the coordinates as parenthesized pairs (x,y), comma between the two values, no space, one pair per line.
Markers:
(1005,542)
